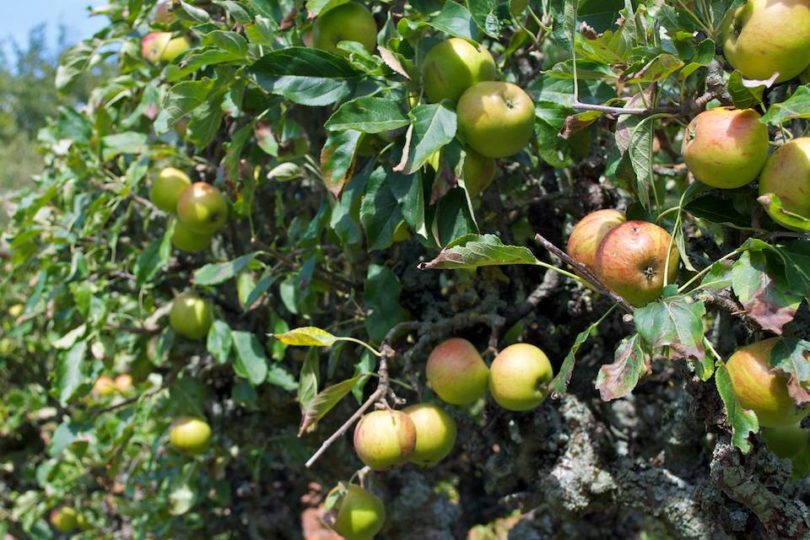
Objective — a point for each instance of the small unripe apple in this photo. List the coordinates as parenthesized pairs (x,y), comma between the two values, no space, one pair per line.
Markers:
(787,175)
(191,316)
(123,383)
(357,514)
(384,439)
(435,433)
(496,119)
(104,386)
(351,21)
(589,232)
(761,389)
(726,148)
(15,310)
(64,519)
(478,171)
(202,208)
(190,435)
(456,372)
(786,442)
(184,239)
(519,377)
(631,260)
(452,66)
(153,45)
(167,187)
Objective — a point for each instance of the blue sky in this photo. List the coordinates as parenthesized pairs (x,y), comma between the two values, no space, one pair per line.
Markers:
(15,22)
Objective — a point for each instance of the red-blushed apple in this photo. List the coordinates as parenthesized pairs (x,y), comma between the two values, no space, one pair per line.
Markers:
(190,435)
(726,148)
(123,383)
(478,172)
(761,389)
(384,439)
(764,37)
(153,45)
(632,258)
(456,372)
(191,316)
(104,386)
(167,187)
(435,433)
(519,377)
(64,519)
(202,208)
(786,442)
(351,21)
(175,47)
(356,514)
(589,232)
(184,239)
(452,66)
(496,119)
(787,175)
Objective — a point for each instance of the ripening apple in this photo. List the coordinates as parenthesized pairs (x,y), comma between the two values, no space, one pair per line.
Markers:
(478,172)
(184,239)
(357,514)
(764,37)
(64,519)
(347,22)
(435,433)
(495,118)
(456,372)
(153,45)
(191,316)
(761,389)
(175,48)
(725,148)
(202,208)
(631,260)
(104,386)
(787,175)
(123,383)
(190,435)
(452,66)
(167,187)
(519,377)
(384,439)
(786,442)
(589,232)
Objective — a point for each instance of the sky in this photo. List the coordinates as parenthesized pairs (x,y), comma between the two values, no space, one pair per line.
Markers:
(15,22)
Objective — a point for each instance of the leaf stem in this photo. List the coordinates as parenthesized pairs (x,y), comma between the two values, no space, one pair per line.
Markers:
(702,272)
(374,351)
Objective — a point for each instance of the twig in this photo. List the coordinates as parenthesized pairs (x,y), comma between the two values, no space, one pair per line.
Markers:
(647,111)
(166,382)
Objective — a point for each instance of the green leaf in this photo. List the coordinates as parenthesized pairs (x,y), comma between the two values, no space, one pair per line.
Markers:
(673,323)
(473,250)
(773,205)
(433,127)
(766,296)
(181,99)
(487,15)
(381,300)
(308,378)
(306,336)
(559,385)
(618,379)
(455,20)
(745,94)
(337,159)
(325,401)
(278,376)
(75,63)
(368,115)
(214,274)
(796,106)
(742,421)
(128,142)
(640,151)
(791,356)
(380,211)
(69,376)
(219,341)
(251,361)
(152,259)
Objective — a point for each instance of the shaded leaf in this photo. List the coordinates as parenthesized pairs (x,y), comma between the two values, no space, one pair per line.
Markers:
(325,401)
(214,274)
(473,250)
(767,299)
(368,115)
(251,362)
(618,379)
(673,323)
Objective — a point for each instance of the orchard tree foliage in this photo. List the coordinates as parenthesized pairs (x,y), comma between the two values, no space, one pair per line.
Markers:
(255,232)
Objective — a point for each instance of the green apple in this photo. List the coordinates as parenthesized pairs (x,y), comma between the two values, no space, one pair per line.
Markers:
(64,519)
(495,118)
(153,45)
(347,22)
(519,377)
(357,514)
(725,148)
(786,442)
(167,187)
(588,233)
(761,389)
(787,175)
(189,241)
(174,48)
(435,433)
(478,172)
(632,258)
(764,37)
(190,435)
(202,208)
(454,65)
(191,316)
(384,439)
(456,372)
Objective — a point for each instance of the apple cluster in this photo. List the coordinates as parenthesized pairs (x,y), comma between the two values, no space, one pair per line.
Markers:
(106,386)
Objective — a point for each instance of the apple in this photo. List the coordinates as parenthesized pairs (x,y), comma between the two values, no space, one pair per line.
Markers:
(64,519)
(153,45)
(761,389)
(787,175)
(202,208)
(764,37)
(478,172)
(435,433)
(589,232)
(16,310)
(725,148)
(384,439)
(175,48)
(357,514)
(456,372)
(104,386)
(452,66)
(164,13)
(519,377)
(786,442)
(347,22)
(190,435)
(631,261)
(123,383)
(191,316)
(187,240)
(167,187)
(495,118)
